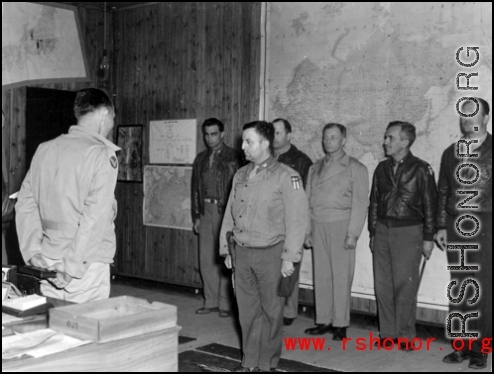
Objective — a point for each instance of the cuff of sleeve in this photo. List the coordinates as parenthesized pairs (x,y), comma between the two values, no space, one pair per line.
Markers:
(75,270)
(224,250)
(287,256)
(428,237)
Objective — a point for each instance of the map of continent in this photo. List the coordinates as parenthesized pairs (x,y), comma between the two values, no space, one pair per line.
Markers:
(40,43)
(365,65)
(167,200)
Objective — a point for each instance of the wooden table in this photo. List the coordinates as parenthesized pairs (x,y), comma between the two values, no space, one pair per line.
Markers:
(155,352)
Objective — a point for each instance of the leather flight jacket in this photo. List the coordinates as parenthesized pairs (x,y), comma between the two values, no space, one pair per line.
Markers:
(405,199)
(298,161)
(448,185)
(227,163)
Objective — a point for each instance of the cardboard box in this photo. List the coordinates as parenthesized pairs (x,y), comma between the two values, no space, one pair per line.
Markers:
(113,319)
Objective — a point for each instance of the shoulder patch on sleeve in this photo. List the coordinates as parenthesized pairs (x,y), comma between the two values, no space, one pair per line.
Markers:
(113,162)
(296,183)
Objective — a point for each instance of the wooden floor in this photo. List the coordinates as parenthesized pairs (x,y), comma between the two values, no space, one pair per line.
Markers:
(212,329)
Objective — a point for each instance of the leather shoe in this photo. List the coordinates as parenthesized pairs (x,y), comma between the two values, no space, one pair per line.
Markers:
(287,321)
(406,347)
(225,313)
(456,357)
(381,343)
(478,361)
(206,310)
(320,329)
(339,333)
(241,369)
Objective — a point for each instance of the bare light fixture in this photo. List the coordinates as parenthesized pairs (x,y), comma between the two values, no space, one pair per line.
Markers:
(104,65)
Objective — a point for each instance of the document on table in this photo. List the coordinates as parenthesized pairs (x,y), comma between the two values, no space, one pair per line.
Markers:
(38,344)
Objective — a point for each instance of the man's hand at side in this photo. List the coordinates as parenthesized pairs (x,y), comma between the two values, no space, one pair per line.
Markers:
(287,268)
(63,279)
(38,261)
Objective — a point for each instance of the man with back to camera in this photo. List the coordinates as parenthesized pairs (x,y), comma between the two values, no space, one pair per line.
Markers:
(290,155)
(268,214)
(212,177)
(402,224)
(338,192)
(479,141)
(66,206)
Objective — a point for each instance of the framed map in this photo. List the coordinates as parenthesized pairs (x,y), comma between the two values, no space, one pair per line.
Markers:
(41,44)
(129,139)
(172,141)
(167,201)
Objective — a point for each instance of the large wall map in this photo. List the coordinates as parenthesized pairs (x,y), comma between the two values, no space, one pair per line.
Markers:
(40,43)
(366,64)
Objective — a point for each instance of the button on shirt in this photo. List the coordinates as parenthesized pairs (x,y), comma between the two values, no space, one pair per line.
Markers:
(267,209)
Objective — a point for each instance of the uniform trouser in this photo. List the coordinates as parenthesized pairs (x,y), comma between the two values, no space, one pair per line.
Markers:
(257,276)
(215,280)
(5,260)
(93,286)
(481,257)
(397,255)
(334,267)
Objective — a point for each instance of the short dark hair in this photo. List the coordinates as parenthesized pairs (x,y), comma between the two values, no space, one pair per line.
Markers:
(213,122)
(331,125)
(90,99)
(407,131)
(288,126)
(265,130)
(484,104)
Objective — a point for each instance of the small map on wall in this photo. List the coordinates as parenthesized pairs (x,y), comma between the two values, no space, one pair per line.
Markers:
(40,44)
(172,141)
(167,197)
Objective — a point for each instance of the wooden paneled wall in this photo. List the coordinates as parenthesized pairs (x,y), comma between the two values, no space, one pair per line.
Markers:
(180,61)
(14,100)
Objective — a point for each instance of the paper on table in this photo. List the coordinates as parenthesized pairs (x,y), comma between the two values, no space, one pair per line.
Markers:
(55,343)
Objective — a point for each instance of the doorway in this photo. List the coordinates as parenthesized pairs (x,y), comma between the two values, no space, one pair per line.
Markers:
(49,113)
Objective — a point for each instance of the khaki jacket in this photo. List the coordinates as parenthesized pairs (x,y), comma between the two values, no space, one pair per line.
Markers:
(66,206)
(267,209)
(340,192)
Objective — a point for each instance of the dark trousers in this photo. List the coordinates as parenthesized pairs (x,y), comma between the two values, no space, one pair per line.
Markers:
(257,275)
(214,274)
(483,276)
(397,255)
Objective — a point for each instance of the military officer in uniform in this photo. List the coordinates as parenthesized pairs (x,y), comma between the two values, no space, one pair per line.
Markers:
(66,206)
(290,155)
(268,214)
(338,191)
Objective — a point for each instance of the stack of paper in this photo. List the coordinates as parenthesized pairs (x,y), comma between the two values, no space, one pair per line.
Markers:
(25,303)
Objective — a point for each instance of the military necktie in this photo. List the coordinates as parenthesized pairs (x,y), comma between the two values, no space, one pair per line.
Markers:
(253,172)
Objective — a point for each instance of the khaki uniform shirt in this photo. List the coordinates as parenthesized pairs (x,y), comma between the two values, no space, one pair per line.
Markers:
(66,206)
(338,189)
(267,209)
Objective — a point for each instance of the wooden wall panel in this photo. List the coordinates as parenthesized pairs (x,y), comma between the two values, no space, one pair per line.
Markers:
(179,61)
